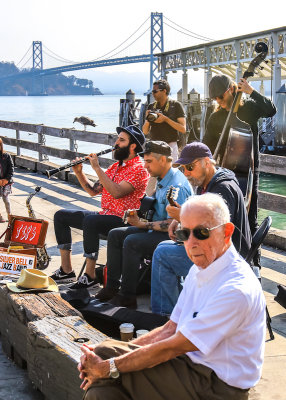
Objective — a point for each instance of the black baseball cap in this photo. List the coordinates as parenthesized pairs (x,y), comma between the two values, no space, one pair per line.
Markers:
(219,85)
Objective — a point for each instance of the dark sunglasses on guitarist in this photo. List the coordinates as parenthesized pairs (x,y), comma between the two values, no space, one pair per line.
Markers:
(199,233)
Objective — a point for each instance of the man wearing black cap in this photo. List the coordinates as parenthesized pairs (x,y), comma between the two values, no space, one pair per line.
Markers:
(223,90)
(170,119)
(122,186)
(127,247)
(170,260)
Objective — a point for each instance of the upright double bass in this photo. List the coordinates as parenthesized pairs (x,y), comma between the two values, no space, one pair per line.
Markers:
(234,149)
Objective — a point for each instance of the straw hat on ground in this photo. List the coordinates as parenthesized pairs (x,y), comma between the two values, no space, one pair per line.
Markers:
(33,280)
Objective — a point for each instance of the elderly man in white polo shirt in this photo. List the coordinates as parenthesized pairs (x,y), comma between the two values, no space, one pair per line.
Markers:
(213,345)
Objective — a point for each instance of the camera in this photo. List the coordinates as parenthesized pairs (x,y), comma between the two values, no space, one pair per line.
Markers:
(152,116)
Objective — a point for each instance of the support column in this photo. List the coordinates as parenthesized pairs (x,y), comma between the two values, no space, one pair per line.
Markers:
(238,73)
(276,67)
(157,46)
(276,79)
(185,86)
(207,78)
(262,88)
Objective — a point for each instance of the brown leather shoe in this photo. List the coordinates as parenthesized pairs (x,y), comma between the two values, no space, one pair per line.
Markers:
(123,301)
(106,294)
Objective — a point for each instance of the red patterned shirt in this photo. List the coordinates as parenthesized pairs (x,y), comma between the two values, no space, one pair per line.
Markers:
(133,172)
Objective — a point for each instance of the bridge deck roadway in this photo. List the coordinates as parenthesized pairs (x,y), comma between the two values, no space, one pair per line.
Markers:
(56,194)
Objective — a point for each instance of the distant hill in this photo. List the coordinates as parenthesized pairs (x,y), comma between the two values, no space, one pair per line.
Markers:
(57,85)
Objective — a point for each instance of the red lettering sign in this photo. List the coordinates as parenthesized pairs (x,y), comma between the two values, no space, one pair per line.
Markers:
(26,232)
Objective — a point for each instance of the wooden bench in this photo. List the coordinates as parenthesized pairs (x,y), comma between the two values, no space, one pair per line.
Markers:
(44,333)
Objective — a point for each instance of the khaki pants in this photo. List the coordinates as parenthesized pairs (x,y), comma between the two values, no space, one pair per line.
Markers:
(177,379)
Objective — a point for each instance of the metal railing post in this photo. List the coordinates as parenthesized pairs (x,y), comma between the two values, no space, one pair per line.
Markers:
(18,145)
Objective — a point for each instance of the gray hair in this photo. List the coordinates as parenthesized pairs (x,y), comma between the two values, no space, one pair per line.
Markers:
(213,203)
(159,156)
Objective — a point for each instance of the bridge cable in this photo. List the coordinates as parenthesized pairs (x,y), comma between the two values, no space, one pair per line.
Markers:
(108,58)
(30,58)
(24,55)
(193,34)
(61,59)
(125,40)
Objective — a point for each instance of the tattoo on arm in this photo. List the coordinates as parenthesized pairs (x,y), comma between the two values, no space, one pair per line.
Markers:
(96,188)
(150,225)
(164,225)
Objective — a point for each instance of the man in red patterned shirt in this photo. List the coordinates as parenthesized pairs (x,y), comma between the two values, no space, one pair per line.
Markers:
(122,186)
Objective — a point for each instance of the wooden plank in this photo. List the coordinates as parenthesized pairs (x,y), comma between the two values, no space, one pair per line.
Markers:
(53,355)
(26,307)
(272,202)
(52,151)
(68,133)
(272,164)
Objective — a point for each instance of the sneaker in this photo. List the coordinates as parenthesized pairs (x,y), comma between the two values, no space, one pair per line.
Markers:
(60,276)
(84,281)
(2,220)
(106,294)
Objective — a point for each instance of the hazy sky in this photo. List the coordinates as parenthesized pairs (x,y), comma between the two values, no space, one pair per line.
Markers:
(87,29)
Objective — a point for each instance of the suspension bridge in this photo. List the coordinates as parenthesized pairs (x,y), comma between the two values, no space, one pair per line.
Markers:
(229,56)
(37,51)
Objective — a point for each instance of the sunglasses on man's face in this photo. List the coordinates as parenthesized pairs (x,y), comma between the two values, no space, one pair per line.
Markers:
(199,233)
(157,90)
(188,167)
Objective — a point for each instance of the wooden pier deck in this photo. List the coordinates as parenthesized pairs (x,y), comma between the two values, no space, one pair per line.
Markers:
(56,194)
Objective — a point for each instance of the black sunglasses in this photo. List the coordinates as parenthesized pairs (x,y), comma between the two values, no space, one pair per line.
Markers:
(199,233)
(188,167)
(157,90)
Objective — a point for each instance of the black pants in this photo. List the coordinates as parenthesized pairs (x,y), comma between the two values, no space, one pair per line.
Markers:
(126,247)
(91,223)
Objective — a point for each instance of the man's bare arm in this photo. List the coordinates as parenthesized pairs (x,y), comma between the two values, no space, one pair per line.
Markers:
(179,125)
(161,226)
(153,354)
(93,367)
(117,190)
(157,334)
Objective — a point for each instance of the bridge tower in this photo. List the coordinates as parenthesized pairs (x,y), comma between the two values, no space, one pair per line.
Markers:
(157,46)
(37,64)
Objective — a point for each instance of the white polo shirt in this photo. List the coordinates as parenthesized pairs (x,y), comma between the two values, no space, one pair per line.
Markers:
(221,310)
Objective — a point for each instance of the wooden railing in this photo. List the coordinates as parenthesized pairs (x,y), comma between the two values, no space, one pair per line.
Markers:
(42,149)
(270,164)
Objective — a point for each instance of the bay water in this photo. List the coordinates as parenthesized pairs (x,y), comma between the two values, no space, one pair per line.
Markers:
(60,111)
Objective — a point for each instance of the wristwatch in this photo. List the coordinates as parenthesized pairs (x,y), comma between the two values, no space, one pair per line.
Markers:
(113,372)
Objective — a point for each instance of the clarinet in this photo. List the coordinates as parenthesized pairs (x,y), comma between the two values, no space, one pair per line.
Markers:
(43,258)
(50,172)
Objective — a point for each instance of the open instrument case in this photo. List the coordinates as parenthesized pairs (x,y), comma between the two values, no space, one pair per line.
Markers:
(22,238)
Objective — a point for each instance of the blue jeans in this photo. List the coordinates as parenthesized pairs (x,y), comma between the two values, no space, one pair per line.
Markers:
(169,263)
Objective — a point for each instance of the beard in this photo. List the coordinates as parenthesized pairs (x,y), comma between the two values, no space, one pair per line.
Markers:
(121,153)
(197,182)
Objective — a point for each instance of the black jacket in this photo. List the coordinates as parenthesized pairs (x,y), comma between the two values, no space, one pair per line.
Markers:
(6,167)
(225,184)
(257,106)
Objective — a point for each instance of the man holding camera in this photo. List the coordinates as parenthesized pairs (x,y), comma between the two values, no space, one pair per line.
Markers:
(165,117)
